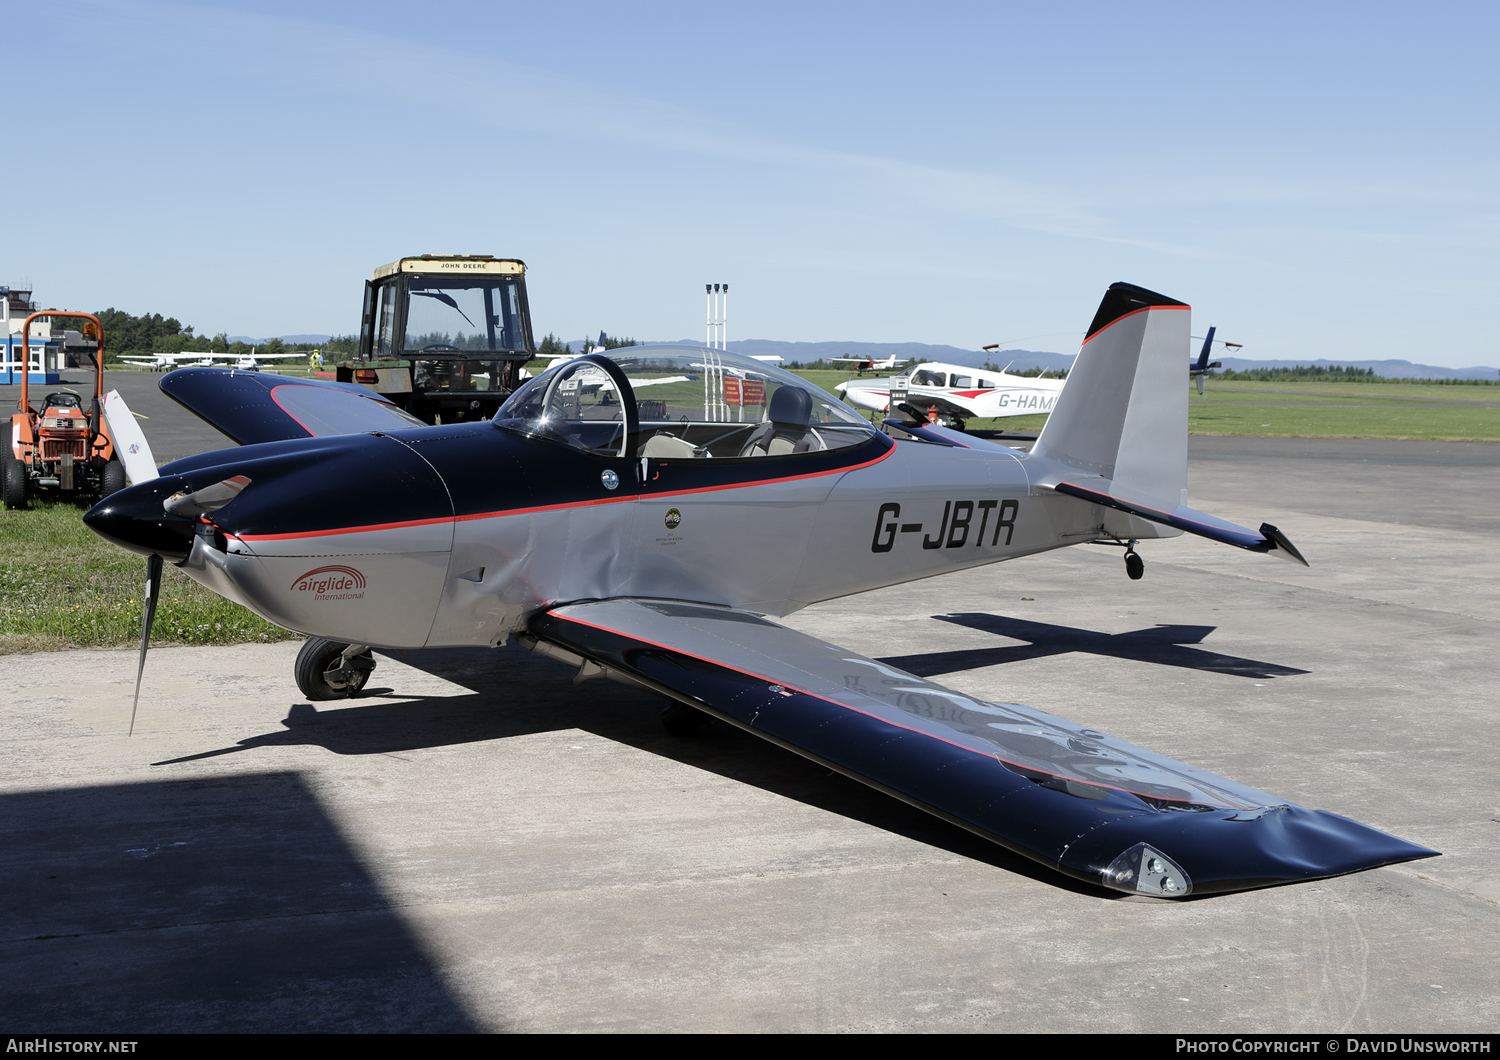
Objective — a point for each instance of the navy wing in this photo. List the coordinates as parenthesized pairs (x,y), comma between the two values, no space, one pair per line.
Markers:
(1071,798)
(252,407)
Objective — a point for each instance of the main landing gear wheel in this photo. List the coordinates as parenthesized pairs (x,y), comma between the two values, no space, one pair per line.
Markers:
(1134,565)
(322,672)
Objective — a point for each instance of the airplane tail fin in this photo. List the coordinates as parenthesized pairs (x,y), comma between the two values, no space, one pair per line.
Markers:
(1123,411)
(1208,344)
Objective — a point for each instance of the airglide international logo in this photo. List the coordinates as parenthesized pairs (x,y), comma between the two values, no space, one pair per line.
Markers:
(332,583)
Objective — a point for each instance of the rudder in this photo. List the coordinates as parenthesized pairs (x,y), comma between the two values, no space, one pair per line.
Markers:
(1123,412)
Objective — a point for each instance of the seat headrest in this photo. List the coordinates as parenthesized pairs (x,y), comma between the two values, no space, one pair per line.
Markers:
(790,406)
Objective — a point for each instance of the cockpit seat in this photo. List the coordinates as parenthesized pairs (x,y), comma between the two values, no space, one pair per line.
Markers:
(787,429)
(669,447)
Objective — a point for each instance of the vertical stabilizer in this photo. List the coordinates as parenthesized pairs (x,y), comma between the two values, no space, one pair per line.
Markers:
(1123,411)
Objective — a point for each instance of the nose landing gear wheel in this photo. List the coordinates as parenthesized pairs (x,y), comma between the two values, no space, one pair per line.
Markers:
(322,672)
(1134,566)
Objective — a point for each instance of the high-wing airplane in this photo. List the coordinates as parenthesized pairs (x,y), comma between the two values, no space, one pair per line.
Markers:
(950,394)
(253,362)
(866,364)
(646,540)
(165,362)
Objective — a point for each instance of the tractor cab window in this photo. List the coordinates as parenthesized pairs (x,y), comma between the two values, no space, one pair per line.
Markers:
(450,314)
(383,345)
(689,403)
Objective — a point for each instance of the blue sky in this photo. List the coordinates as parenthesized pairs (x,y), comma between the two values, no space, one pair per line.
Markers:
(1318,180)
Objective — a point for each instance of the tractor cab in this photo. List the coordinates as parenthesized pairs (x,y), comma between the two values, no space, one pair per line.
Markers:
(445,337)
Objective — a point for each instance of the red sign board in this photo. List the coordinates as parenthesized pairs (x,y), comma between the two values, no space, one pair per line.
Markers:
(744,391)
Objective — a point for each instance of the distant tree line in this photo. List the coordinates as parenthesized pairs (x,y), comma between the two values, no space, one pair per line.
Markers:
(148,333)
(126,335)
(552,346)
(1336,374)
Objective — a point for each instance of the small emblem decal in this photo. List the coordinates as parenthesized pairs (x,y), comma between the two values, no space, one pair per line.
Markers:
(673,518)
(610,479)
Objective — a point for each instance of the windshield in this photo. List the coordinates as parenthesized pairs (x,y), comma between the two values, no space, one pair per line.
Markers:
(693,403)
(450,313)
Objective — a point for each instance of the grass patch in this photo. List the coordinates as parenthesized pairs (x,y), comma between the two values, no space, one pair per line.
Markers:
(63,586)
(1347,410)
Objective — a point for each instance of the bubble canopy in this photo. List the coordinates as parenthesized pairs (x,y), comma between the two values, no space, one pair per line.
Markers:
(680,403)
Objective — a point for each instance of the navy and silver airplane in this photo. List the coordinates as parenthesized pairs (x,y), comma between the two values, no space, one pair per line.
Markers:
(646,539)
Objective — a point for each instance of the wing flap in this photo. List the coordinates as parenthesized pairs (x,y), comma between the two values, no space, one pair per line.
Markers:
(253,407)
(1069,797)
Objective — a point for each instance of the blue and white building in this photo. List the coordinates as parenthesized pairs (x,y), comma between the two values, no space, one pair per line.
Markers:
(46,356)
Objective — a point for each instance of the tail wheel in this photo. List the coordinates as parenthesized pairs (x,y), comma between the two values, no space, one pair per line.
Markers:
(113,478)
(17,482)
(322,672)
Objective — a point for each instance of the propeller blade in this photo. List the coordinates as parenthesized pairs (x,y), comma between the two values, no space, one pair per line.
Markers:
(208,499)
(148,615)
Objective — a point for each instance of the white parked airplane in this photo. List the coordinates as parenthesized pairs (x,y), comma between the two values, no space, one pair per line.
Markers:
(253,362)
(165,362)
(951,393)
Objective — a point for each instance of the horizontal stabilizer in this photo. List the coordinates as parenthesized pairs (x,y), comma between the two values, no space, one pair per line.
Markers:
(1096,808)
(1266,539)
(253,407)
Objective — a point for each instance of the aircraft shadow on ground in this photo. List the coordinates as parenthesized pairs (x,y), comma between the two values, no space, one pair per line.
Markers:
(221,904)
(518,693)
(1165,645)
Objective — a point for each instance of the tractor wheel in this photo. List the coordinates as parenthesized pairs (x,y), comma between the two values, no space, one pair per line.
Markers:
(318,657)
(17,482)
(112,479)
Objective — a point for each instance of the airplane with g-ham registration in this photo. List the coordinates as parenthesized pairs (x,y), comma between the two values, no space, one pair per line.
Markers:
(951,394)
